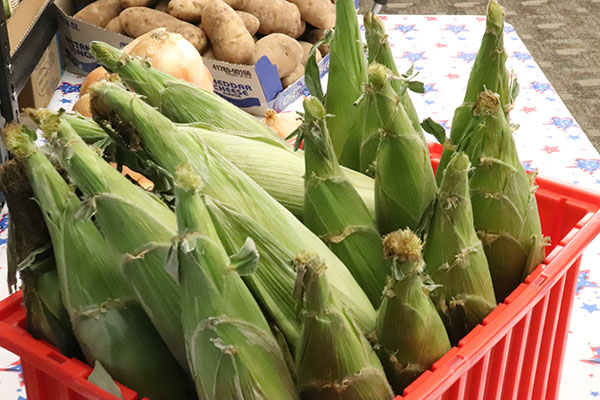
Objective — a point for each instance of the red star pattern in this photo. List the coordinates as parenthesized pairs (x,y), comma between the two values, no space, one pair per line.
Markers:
(480,19)
(453,76)
(551,149)
(431,18)
(528,109)
(441,45)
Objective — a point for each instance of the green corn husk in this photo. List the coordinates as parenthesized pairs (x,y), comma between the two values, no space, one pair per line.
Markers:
(410,335)
(168,93)
(334,361)
(503,200)
(109,324)
(170,147)
(231,350)
(276,168)
(129,218)
(347,75)
(404,179)
(333,209)
(454,255)
(489,73)
(379,51)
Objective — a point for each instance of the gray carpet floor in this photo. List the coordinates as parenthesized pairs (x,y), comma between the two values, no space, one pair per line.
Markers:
(562,35)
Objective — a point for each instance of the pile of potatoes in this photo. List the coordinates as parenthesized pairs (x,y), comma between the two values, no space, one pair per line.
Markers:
(236,31)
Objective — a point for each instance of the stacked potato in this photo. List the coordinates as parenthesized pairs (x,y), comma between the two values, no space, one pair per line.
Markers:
(236,31)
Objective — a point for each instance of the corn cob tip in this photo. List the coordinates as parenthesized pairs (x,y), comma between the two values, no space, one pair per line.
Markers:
(403,245)
(108,56)
(48,121)
(314,108)
(378,76)
(187,179)
(311,288)
(495,16)
(487,103)
(460,161)
(18,140)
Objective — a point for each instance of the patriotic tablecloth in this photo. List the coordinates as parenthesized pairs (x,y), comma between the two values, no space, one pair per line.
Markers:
(442,49)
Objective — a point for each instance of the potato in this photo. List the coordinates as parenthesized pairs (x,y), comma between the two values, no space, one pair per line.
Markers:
(162,5)
(114,25)
(314,36)
(237,4)
(139,20)
(252,23)
(306,47)
(318,13)
(228,35)
(137,3)
(187,10)
(275,16)
(293,77)
(100,12)
(209,54)
(283,51)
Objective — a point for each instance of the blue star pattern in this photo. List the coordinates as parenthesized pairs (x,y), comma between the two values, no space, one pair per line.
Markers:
(67,88)
(509,29)
(429,88)
(527,165)
(521,56)
(456,28)
(594,393)
(429,102)
(590,307)
(573,137)
(414,57)
(404,28)
(3,228)
(65,101)
(584,282)
(540,86)
(589,166)
(595,357)
(563,123)
(468,57)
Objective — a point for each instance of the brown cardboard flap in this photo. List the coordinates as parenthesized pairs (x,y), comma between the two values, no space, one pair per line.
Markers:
(21,22)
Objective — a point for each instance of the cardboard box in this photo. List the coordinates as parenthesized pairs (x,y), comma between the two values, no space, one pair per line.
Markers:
(254,88)
(45,78)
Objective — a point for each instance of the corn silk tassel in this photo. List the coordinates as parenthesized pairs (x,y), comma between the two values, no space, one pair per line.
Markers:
(379,51)
(410,335)
(505,210)
(404,180)
(247,144)
(108,322)
(333,359)
(334,211)
(347,75)
(139,123)
(489,73)
(180,101)
(454,256)
(130,218)
(230,347)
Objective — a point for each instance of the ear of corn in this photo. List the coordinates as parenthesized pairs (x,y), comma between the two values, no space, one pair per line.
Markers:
(380,52)
(230,348)
(129,218)
(334,211)
(404,180)
(273,281)
(169,147)
(410,335)
(347,74)
(503,197)
(259,161)
(106,319)
(168,94)
(454,256)
(489,73)
(333,359)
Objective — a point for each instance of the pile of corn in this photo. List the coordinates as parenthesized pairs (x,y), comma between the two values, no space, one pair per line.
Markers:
(253,271)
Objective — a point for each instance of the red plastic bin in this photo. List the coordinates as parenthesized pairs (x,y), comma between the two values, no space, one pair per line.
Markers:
(516,353)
